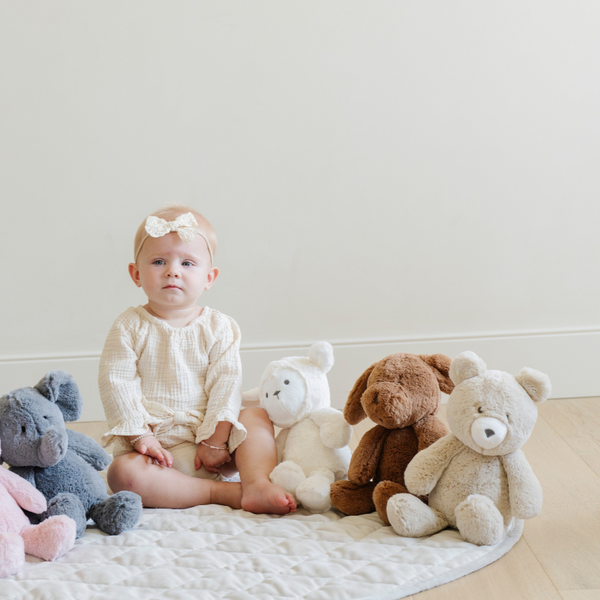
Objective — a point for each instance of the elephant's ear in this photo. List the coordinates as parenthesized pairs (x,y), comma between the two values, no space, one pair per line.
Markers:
(59,387)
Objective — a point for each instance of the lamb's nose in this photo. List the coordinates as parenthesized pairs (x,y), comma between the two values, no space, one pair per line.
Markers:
(277,394)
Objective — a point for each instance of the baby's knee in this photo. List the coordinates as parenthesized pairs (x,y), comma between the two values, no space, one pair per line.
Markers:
(254,414)
(127,472)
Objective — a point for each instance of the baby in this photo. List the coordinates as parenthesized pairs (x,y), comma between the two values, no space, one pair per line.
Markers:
(170,377)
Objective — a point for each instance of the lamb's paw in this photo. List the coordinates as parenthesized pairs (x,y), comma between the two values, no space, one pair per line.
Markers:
(287,475)
(314,492)
(336,432)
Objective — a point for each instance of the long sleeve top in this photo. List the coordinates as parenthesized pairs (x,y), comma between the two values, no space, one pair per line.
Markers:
(179,381)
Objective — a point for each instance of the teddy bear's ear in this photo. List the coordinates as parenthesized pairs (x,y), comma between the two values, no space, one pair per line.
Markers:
(59,387)
(321,354)
(465,366)
(535,383)
(440,364)
(353,411)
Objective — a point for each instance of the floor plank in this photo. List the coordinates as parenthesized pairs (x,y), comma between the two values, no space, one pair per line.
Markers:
(581,595)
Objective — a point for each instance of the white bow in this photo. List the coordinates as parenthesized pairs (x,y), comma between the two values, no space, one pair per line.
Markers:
(170,418)
(185,225)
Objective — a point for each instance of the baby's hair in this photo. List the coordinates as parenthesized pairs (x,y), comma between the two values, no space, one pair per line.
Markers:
(170,213)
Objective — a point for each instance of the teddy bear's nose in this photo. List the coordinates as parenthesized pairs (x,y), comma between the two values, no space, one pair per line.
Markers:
(489,432)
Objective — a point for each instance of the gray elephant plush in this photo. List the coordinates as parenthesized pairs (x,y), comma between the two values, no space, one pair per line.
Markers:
(62,464)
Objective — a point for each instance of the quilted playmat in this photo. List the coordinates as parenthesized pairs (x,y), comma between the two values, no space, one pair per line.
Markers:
(214,552)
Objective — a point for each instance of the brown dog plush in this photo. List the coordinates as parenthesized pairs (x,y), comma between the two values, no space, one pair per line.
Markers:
(401,394)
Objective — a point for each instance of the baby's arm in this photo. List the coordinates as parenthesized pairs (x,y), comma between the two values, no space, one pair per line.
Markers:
(214,452)
(220,427)
(121,389)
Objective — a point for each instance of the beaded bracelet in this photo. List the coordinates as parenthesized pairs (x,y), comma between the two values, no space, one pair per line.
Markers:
(214,447)
(137,439)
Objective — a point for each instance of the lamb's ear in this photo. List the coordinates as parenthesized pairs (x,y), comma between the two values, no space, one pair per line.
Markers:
(59,387)
(321,354)
(465,366)
(440,364)
(353,411)
(535,383)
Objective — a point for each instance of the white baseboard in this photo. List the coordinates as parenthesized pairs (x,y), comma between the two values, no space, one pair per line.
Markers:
(570,358)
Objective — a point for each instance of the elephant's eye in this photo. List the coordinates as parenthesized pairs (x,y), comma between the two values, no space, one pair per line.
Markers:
(23,429)
(480,410)
(287,382)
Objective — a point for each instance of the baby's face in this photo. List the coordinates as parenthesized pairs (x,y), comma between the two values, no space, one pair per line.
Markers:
(173,273)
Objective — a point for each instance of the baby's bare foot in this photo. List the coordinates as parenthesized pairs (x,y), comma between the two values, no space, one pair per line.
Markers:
(266,497)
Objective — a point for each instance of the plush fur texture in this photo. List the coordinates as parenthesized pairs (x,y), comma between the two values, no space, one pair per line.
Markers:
(401,394)
(312,446)
(477,477)
(49,540)
(62,464)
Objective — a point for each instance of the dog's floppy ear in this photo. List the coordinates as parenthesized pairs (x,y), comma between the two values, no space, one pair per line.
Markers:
(353,411)
(440,365)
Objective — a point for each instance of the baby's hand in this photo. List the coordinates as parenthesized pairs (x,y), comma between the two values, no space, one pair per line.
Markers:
(150,446)
(211,459)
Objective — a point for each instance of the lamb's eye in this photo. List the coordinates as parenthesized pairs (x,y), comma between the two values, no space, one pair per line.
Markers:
(480,410)
(267,395)
(287,382)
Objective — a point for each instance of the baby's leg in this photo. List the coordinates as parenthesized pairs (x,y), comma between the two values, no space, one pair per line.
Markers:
(255,458)
(164,487)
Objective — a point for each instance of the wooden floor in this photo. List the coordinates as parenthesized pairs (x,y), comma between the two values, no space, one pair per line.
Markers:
(558,557)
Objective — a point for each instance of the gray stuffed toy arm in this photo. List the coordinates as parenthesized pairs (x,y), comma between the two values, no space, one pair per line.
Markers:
(88,449)
(334,431)
(426,468)
(524,489)
(26,473)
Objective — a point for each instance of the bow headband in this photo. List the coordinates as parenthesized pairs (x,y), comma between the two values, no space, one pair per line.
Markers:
(185,225)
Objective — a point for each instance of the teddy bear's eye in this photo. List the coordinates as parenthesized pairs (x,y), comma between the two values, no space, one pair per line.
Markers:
(480,410)
(508,416)
(287,382)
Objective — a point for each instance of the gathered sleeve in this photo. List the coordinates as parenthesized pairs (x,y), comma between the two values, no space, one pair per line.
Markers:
(121,388)
(223,385)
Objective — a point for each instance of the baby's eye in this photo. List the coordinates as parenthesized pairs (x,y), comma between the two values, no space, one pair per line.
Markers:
(186,263)
(287,382)
(159,262)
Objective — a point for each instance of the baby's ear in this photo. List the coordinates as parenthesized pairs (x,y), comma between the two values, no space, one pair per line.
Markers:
(321,354)
(535,383)
(59,387)
(465,366)
(440,364)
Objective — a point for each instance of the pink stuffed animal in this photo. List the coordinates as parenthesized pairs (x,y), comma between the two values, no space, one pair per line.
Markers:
(48,540)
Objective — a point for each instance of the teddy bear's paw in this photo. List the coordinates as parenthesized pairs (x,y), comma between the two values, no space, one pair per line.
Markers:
(336,433)
(409,517)
(12,554)
(479,521)
(51,538)
(117,513)
(69,505)
(287,475)
(313,492)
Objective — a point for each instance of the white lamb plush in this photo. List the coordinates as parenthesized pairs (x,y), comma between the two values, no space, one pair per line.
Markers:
(312,446)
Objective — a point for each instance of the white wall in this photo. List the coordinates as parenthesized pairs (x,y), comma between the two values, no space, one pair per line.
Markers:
(389,176)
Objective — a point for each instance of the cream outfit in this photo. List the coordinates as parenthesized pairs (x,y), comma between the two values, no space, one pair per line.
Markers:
(179,381)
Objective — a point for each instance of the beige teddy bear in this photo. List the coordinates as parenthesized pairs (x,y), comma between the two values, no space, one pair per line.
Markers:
(477,477)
